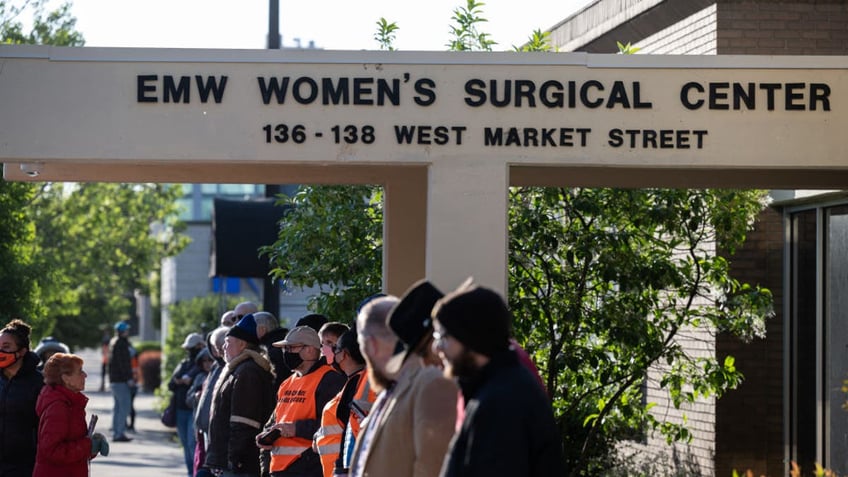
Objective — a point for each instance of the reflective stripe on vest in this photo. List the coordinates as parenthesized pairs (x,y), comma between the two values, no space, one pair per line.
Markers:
(328,439)
(295,402)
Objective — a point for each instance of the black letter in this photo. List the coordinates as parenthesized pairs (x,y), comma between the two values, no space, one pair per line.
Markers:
(615,139)
(584,94)
(493,137)
(312,93)
(274,88)
(684,95)
(525,88)
(335,93)
(171,89)
(424,87)
(384,91)
(141,81)
(819,92)
(770,89)
(211,85)
(791,96)
(475,87)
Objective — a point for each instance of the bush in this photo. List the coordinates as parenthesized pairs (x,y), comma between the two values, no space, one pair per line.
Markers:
(143,346)
(150,369)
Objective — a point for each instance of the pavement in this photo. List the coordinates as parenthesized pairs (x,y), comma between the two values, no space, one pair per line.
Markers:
(154,451)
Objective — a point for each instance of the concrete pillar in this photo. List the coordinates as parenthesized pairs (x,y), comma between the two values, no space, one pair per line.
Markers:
(467,223)
(404,228)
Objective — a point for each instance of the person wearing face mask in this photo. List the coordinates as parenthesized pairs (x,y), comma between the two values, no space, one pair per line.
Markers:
(300,400)
(20,384)
(327,441)
(355,400)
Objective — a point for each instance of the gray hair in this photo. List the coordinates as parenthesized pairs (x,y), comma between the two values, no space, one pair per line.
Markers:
(217,339)
(372,317)
(268,320)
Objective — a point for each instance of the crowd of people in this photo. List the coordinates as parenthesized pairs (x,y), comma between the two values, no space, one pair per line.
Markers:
(422,385)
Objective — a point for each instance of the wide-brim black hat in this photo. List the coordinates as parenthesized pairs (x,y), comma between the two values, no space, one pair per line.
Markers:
(410,320)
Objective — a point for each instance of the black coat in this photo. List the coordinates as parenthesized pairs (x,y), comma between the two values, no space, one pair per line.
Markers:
(186,367)
(241,404)
(18,421)
(275,355)
(509,427)
(120,363)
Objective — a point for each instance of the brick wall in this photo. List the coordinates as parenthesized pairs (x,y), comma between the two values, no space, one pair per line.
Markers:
(749,419)
(811,27)
(695,35)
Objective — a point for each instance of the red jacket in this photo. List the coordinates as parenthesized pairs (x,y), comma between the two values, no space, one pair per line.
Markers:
(64,447)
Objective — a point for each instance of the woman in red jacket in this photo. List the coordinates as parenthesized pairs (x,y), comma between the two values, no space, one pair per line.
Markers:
(64,446)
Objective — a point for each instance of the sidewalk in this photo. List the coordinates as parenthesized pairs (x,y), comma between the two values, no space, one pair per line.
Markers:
(154,450)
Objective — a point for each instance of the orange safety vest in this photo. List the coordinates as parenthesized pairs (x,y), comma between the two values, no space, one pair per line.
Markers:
(328,439)
(295,402)
(363,399)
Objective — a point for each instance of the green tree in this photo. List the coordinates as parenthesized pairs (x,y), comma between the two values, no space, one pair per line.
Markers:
(604,284)
(98,243)
(197,315)
(18,275)
(342,257)
(21,277)
(385,35)
(56,27)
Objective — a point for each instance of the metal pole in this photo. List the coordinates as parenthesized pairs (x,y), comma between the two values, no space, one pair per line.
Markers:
(274,37)
(270,292)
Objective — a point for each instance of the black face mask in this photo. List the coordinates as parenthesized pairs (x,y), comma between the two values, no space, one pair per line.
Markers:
(292,360)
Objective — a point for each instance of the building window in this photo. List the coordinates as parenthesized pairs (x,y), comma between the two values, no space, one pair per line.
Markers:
(818,337)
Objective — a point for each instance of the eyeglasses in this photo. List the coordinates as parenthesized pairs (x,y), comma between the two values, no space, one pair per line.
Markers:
(293,349)
(336,350)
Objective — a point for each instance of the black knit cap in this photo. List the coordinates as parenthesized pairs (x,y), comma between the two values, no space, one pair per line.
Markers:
(477,317)
(245,329)
(314,321)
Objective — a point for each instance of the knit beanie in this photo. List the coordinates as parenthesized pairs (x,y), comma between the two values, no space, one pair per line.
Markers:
(245,330)
(477,317)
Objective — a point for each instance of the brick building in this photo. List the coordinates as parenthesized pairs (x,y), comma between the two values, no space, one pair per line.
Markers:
(789,407)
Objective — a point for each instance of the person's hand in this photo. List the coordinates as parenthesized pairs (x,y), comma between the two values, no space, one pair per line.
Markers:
(99,445)
(287,429)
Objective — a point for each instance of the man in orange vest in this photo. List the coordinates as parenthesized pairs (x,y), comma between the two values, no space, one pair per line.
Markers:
(354,401)
(300,400)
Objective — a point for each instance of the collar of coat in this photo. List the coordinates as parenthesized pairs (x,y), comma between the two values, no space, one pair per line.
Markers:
(245,355)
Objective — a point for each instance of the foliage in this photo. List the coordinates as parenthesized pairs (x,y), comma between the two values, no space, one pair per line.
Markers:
(21,276)
(605,282)
(18,275)
(331,237)
(385,35)
(96,244)
(198,315)
(627,49)
(539,41)
(466,34)
(55,27)
(795,471)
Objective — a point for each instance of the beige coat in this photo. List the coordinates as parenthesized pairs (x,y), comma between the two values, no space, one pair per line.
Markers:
(413,433)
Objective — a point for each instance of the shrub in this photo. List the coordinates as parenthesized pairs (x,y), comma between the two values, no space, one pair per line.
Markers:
(150,367)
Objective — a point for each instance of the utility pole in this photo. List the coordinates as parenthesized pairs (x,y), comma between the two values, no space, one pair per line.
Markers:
(271,292)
